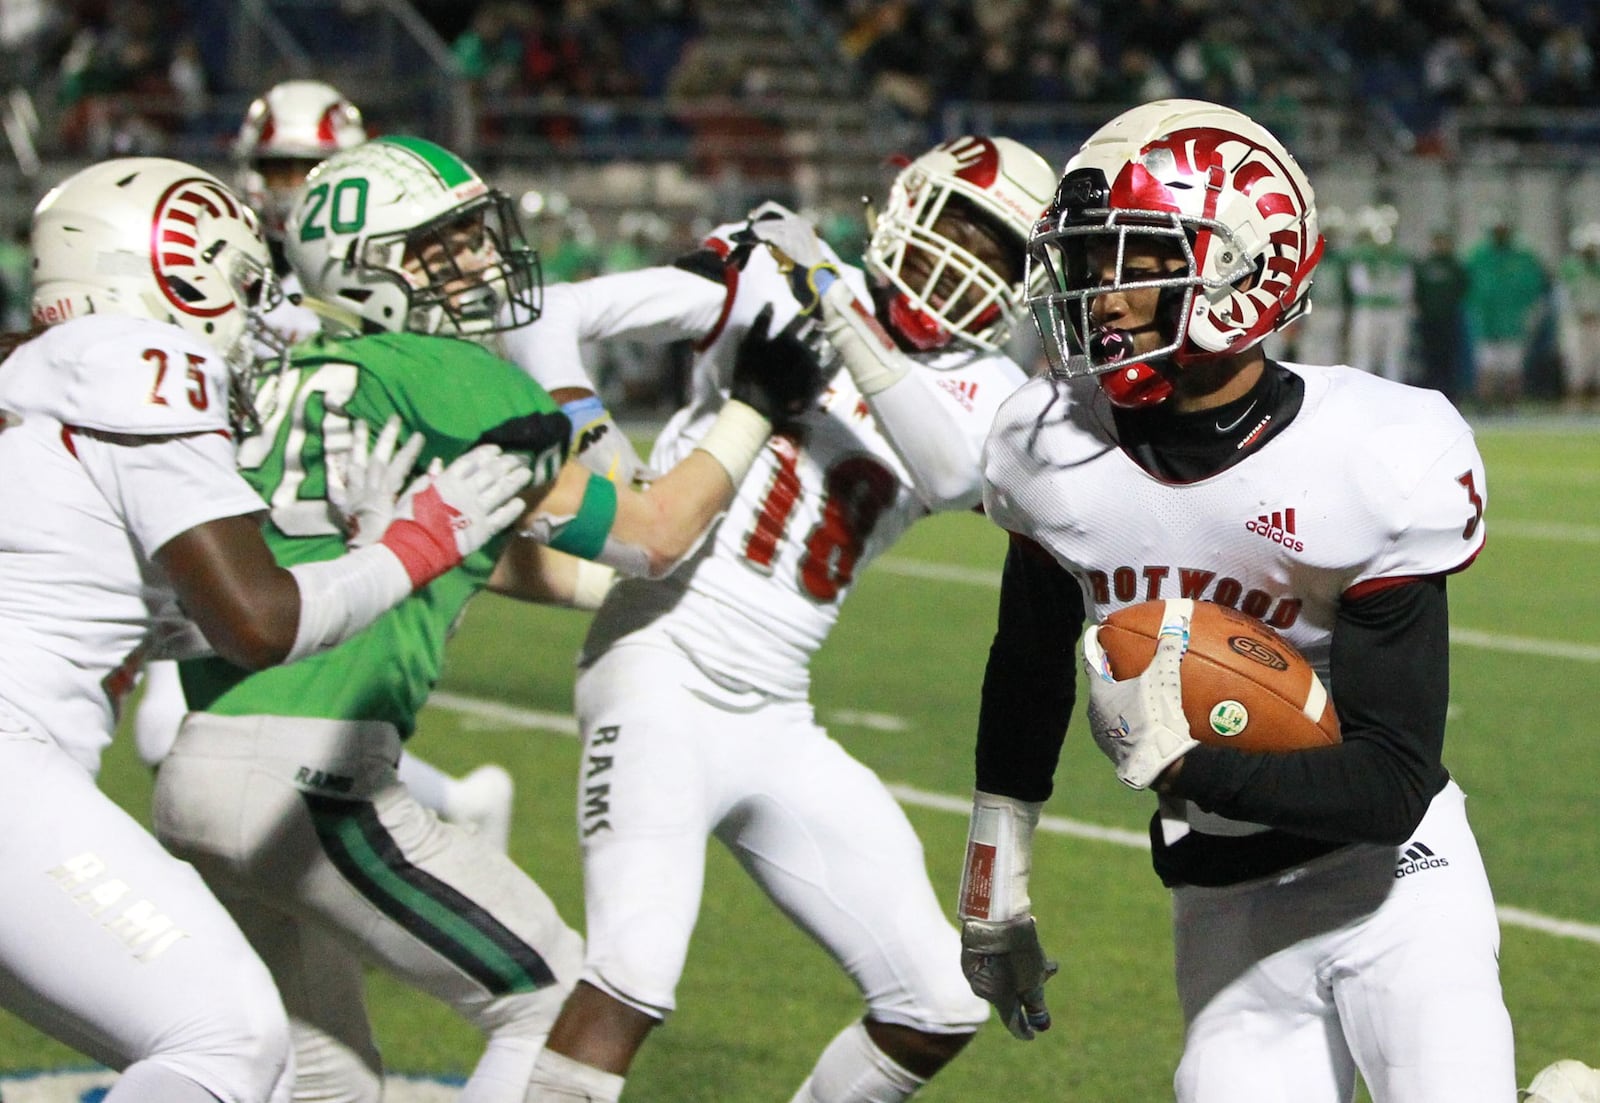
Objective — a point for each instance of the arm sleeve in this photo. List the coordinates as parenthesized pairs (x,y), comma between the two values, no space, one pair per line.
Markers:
(1030,682)
(938,433)
(651,305)
(1390,680)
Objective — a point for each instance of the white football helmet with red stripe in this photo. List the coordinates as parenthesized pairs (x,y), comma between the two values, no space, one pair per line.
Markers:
(299,122)
(938,290)
(1209,181)
(148,237)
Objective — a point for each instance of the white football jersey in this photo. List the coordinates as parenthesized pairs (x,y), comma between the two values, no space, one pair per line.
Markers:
(1372,481)
(118,439)
(763,590)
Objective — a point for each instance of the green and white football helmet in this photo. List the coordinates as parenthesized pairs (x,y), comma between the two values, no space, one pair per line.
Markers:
(407,237)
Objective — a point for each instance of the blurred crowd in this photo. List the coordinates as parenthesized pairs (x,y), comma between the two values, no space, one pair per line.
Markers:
(920,54)
(1430,60)
(1488,325)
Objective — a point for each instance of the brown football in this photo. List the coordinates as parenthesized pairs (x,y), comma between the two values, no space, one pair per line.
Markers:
(1244,685)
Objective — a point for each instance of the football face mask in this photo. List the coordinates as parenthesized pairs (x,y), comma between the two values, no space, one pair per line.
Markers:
(1222,192)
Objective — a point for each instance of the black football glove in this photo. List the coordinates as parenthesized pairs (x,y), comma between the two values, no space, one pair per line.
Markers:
(780,375)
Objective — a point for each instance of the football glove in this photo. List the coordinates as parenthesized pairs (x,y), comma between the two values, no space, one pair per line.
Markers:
(779,375)
(600,444)
(372,476)
(1005,964)
(451,512)
(1138,722)
(797,249)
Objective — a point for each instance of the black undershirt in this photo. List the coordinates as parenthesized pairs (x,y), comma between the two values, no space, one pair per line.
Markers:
(1389,664)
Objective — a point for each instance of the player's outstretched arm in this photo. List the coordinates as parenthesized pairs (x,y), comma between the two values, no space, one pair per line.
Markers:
(646,533)
(257,614)
(940,455)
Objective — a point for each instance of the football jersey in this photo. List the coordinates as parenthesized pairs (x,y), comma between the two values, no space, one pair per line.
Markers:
(116,440)
(825,497)
(1371,483)
(450,390)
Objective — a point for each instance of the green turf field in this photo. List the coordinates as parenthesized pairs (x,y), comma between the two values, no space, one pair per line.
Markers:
(898,685)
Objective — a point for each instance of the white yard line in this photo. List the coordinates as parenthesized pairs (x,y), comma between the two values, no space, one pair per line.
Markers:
(498,713)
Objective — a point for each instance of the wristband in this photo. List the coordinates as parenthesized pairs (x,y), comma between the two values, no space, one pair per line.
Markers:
(584,533)
(736,438)
(581,411)
(592,584)
(994,882)
(339,597)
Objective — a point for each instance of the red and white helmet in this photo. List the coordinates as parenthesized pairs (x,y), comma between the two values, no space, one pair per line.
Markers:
(303,121)
(147,237)
(1207,180)
(950,294)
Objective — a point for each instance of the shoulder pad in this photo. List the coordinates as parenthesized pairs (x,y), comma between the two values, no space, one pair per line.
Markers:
(120,375)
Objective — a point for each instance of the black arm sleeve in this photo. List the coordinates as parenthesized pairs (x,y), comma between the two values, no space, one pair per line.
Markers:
(1390,675)
(1030,682)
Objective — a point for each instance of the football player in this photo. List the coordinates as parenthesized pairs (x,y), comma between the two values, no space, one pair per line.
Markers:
(1330,910)
(286,132)
(122,406)
(693,692)
(281,787)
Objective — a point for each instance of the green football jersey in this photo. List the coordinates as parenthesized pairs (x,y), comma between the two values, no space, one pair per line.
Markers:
(452,392)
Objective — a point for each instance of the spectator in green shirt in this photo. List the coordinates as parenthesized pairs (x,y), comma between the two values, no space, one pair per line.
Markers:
(1507,285)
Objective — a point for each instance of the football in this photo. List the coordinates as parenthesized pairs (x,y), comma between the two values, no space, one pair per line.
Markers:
(1244,686)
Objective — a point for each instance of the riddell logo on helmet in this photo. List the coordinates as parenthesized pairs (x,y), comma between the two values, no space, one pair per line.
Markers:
(1278,526)
(49,314)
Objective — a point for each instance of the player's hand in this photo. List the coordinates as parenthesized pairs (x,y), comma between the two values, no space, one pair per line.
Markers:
(1139,722)
(778,375)
(1005,964)
(372,477)
(451,512)
(794,244)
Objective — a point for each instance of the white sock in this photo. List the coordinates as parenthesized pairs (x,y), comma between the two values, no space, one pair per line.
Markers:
(504,1071)
(429,784)
(854,1070)
(560,1079)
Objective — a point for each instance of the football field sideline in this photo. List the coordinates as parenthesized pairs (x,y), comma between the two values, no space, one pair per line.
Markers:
(501,714)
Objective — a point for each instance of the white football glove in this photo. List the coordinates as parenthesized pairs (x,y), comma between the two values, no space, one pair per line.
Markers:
(794,244)
(451,512)
(1139,722)
(364,482)
(1005,964)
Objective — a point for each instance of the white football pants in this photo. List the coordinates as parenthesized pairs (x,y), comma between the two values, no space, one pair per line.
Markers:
(116,948)
(1374,958)
(671,758)
(302,829)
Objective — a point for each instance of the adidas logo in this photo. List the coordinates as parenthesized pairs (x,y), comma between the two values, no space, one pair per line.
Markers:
(1416,858)
(964,391)
(1277,526)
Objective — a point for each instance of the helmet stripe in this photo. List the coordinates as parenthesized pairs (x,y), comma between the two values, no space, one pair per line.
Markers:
(451,170)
